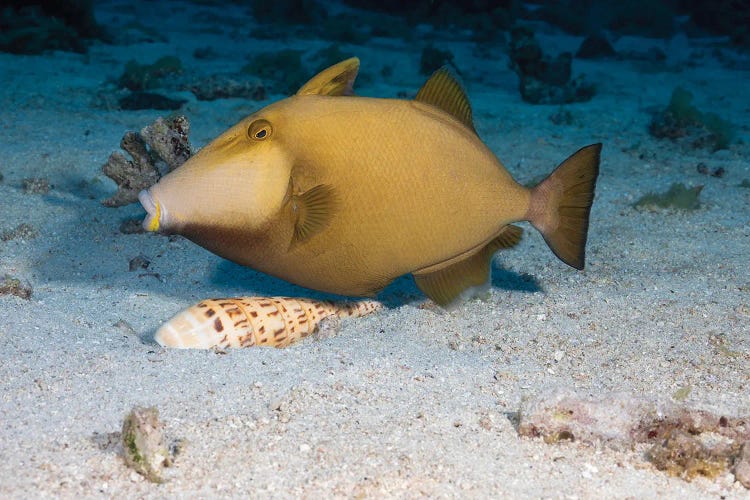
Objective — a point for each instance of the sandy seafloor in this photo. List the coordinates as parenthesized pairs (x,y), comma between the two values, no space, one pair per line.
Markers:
(405,403)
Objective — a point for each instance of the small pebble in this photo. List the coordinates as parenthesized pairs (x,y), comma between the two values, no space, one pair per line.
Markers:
(275,403)
(485,423)
(143,444)
(742,466)
(22,231)
(138,262)
(36,185)
(125,327)
(14,286)
(327,328)
(702,168)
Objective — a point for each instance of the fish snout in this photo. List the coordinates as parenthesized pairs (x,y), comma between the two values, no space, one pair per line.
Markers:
(154,210)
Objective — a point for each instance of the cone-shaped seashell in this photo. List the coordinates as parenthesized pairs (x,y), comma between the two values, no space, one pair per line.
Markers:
(253,321)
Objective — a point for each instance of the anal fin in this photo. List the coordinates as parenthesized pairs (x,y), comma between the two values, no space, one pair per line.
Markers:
(444,285)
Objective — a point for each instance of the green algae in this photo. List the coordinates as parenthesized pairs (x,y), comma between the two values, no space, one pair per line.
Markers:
(680,119)
(139,77)
(676,197)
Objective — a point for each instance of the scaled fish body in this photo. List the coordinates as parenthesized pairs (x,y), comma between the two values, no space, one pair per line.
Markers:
(343,194)
(253,321)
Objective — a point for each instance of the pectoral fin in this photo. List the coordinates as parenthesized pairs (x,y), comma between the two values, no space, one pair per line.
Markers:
(312,211)
(447,283)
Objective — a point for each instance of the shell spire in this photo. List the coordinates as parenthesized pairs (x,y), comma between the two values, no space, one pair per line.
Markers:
(253,321)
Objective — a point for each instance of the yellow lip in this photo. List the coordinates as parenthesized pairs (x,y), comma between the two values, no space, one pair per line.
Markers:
(153,209)
(153,224)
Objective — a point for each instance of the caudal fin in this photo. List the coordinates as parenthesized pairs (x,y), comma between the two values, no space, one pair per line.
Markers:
(561,203)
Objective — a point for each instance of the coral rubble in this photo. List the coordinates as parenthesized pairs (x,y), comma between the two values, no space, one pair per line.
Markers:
(544,79)
(682,121)
(13,286)
(482,17)
(222,86)
(140,79)
(684,455)
(687,441)
(137,76)
(44,25)
(143,443)
(742,466)
(162,144)
(35,185)
(22,231)
(636,17)
(728,17)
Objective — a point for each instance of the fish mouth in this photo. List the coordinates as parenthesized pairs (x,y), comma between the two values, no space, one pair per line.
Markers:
(153,209)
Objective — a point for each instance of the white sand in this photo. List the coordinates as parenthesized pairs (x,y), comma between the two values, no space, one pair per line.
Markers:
(408,402)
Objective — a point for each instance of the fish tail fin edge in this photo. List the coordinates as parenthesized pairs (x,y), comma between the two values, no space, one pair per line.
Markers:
(560,205)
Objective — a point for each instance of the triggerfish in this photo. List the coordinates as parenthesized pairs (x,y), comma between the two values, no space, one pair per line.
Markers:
(343,194)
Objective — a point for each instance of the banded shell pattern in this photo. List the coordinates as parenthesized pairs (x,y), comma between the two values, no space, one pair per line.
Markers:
(253,321)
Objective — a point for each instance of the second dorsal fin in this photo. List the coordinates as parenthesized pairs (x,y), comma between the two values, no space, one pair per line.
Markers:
(444,91)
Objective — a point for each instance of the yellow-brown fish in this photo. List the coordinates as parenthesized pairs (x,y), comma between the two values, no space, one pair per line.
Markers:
(253,321)
(343,194)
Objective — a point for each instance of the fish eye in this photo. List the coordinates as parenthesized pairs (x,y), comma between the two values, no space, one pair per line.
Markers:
(259,130)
